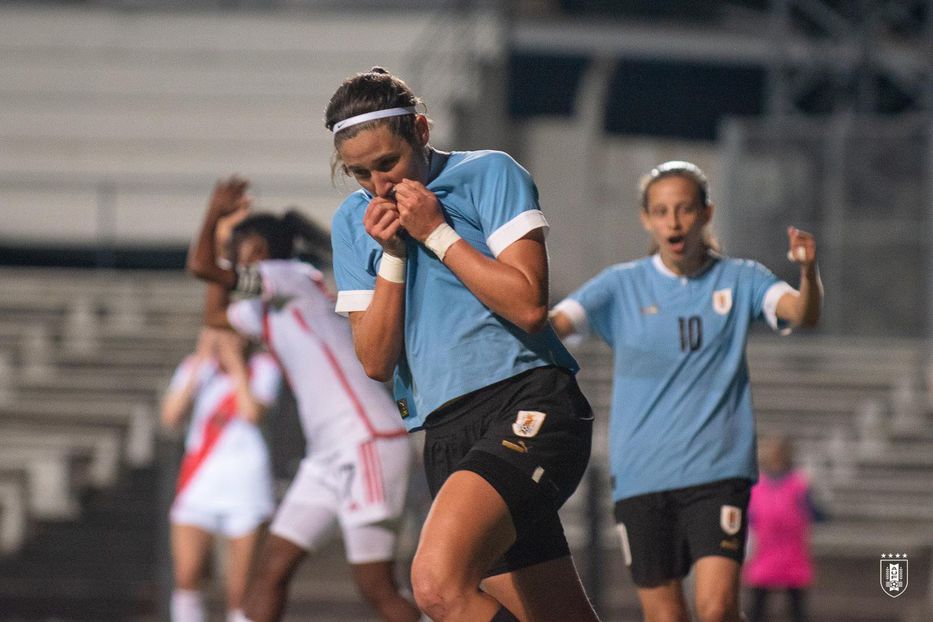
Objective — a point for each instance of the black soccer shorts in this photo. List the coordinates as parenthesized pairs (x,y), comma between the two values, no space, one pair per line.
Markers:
(528,436)
(664,533)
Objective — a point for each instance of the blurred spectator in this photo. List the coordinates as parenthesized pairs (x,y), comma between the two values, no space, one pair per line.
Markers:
(780,513)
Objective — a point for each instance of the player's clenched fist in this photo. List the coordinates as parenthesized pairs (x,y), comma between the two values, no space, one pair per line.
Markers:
(419,210)
(801,247)
(383,224)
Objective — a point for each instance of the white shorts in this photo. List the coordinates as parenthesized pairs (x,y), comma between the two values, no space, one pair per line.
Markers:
(361,489)
(233,524)
(228,494)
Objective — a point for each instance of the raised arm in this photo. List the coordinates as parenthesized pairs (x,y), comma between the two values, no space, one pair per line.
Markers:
(230,355)
(229,197)
(177,401)
(176,404)
(514,284)
(803,307)
(216,299)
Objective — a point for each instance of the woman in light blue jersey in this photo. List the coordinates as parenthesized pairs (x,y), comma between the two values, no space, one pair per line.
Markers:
(441,265)
(682,432)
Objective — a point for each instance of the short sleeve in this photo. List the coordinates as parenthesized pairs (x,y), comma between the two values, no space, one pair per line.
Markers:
(595,300)
(356,259)
(245,316)
(507,202)
(767,290)
(266,378)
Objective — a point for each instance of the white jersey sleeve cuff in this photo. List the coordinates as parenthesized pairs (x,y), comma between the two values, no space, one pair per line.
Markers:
(353,300)
(575,313)
(769,308)
(502,238)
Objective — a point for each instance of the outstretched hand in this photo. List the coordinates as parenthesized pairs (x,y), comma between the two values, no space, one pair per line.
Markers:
(801,247)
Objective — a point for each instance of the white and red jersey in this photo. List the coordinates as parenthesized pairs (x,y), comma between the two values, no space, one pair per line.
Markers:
(226,465)
(339,406)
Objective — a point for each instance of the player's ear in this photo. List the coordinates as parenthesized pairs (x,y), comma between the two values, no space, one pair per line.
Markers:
(422,129)
(708,212)
(643,214)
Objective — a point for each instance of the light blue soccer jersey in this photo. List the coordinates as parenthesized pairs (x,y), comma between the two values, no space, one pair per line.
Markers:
(681,401)
(454,344)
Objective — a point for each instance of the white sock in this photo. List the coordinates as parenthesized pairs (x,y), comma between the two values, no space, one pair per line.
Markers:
(187,606)
(237,615)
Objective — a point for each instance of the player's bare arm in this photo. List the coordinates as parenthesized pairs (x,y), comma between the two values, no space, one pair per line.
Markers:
(514,285)
(802,308)
(229,196)
(379,330)
(216,299)
(230,354)
(176,405)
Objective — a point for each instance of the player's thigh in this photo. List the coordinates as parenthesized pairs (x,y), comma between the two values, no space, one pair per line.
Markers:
(240,553)
(714,520)
(716,582)
(467,529)
(372,543)
(191,546)
(307,516)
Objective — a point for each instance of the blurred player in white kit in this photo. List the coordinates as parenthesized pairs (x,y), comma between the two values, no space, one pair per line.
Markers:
(356,470)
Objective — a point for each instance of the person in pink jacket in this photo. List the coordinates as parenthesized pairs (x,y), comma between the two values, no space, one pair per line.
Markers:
(780,513)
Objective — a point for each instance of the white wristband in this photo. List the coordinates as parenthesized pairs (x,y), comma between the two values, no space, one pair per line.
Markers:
(392,268)
(441,239)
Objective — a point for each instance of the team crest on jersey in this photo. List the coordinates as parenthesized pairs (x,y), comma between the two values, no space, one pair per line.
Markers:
(730,519)
(894,573)
(722,301)
(528,423)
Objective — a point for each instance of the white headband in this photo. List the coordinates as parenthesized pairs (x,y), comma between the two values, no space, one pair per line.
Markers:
(372,116)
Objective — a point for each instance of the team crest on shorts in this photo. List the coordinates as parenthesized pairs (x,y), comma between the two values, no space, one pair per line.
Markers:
(894,573)
(722,301)
(528,423)
(730,519)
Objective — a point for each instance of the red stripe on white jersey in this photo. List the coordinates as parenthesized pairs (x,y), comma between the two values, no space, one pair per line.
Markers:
(267,339)
(344,381)
(213,428)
